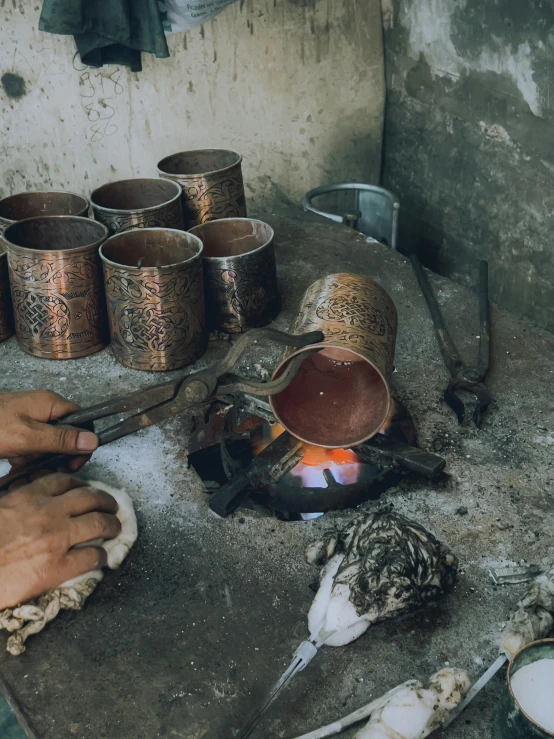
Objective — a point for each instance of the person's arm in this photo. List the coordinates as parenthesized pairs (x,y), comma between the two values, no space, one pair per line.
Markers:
(25,432)
(41,523)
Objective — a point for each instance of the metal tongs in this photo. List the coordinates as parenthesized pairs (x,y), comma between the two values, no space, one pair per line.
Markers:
(463,376)
(160,402)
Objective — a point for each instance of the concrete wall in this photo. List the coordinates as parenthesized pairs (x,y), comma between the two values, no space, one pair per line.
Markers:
(469,141)
(296,86)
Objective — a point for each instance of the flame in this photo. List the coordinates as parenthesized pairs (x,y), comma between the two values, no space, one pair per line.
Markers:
(343,463)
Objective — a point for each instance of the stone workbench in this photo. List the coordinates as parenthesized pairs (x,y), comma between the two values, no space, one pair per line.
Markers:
(202,618)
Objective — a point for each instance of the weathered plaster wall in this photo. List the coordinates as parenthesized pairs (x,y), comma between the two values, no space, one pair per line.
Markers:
(469,141)
(297,86)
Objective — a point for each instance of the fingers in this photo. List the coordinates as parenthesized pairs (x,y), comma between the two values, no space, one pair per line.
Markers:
(44,438)
(79,561)
(77,462)
(44,405)
(93,526)
(56,484)
(83,500)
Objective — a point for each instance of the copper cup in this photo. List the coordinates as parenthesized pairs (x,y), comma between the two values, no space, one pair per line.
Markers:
(33,204)
(138,203)
(212,184)
(56,285)
(341,395)
(155,297)
(240,276)
(6,312)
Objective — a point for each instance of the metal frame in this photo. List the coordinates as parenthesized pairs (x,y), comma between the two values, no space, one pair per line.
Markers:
(350,218)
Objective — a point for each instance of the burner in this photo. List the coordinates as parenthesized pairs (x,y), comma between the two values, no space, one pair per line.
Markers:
(257,464)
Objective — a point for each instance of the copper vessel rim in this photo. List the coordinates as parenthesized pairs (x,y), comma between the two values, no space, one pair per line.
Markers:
(132,211)
(86,201)
(128,267)
(535,643)
(74,250)
(199,151)
(331,345)
(208,224)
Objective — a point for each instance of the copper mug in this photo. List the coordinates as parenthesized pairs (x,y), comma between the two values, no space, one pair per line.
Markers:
(56,285)
(28,205)
(24,205)
(6,312)
(240,275)
(138,203)
(155,298)
(341,395)
(212,184)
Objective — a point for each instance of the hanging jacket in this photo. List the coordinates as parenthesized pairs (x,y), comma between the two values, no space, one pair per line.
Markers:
(108,31)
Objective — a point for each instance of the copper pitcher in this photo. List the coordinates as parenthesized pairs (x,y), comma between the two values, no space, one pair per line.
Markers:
(341,395)
(56,285)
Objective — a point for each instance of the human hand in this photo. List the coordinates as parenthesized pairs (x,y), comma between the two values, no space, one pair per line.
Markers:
(25,432)
(41,523)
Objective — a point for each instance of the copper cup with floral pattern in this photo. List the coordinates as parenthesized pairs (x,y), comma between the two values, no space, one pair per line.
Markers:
(56,285)
(155,297)
(138,203)
(341,395)
(212,184)
(25,205)
(240,274)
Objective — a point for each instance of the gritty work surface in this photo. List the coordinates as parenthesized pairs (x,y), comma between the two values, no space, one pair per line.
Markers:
(205,613)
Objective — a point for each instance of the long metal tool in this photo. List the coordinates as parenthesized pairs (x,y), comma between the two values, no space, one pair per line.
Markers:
(153,405)
(477,688)
(462,376)
(302,657)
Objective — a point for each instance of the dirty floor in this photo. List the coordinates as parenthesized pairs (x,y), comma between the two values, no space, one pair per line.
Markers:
(204,615)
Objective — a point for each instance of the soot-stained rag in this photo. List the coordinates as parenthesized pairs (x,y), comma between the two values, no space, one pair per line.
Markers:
(108,31)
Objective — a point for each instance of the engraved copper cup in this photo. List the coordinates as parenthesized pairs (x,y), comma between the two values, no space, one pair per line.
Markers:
(341,395)
(29,205)
(240,276)
(155,297)
(6,312)
(56,285)
(25,205)
(138,203)
(212,184)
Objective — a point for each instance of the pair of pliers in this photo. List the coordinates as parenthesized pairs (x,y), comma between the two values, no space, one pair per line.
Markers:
(462,376)
(160,402)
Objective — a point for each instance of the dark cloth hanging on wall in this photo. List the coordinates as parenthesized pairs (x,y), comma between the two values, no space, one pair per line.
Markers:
(108,31)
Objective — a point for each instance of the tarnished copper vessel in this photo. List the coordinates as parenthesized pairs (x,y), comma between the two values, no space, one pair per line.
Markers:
(341,395)
(6,313)
(155,297)
(138,203)
(212,184)
(48,203)
(240,276)
(56,285)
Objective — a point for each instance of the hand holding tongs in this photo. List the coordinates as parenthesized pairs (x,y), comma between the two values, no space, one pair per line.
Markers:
(463,377)
(160,402)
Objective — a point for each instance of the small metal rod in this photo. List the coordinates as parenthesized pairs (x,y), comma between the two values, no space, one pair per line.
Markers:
(485,334)
(446,345)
